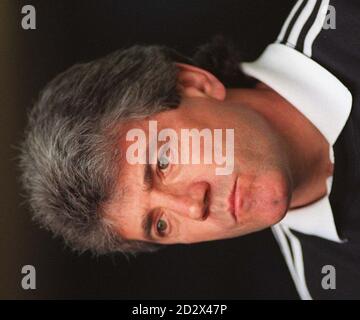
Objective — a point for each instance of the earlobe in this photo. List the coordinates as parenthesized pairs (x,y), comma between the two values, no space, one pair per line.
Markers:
(197,82)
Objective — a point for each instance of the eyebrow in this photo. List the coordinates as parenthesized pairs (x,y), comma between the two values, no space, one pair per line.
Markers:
(146,225)
(148,178)
(147,219)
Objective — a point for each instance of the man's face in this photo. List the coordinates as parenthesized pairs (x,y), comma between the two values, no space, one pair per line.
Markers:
(188,203)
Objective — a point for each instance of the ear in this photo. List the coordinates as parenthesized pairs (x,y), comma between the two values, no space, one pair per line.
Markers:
(197,82)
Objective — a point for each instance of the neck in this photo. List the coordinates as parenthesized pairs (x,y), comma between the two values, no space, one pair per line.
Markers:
(307,148)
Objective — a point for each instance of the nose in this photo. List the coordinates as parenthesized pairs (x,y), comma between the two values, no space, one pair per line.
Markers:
(193,203)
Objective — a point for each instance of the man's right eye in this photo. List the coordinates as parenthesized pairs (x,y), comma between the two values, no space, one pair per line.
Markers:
(163,163)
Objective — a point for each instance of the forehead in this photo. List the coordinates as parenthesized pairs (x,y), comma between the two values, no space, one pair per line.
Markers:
(128,202)
(124,208)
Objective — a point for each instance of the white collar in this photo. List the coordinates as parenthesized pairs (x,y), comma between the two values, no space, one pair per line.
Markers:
(324,100)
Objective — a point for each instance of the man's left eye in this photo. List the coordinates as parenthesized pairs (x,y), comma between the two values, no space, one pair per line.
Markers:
(163,163)
(161,227)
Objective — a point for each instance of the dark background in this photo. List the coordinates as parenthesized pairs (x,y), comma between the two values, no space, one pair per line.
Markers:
(72,31)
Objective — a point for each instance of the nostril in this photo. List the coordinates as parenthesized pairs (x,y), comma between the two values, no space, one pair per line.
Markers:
(206,212)
(206,205)
(206,197)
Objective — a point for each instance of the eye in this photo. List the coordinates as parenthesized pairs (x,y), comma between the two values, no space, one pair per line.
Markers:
(161,227)
(163,162)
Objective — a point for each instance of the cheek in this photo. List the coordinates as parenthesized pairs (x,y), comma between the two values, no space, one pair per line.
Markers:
(204,231)
(196,172)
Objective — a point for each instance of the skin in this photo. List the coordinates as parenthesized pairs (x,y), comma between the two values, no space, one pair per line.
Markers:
(276,169)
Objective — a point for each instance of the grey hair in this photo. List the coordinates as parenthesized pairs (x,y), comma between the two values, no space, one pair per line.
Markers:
(69,157)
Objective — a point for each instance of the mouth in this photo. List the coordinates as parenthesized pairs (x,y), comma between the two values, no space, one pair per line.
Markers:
(234,201)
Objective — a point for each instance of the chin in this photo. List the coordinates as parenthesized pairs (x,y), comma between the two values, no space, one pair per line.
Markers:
(268,200)
(277,206)
(275,212)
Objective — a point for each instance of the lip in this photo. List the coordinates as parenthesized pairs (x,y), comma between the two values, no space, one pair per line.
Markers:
(235,200)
